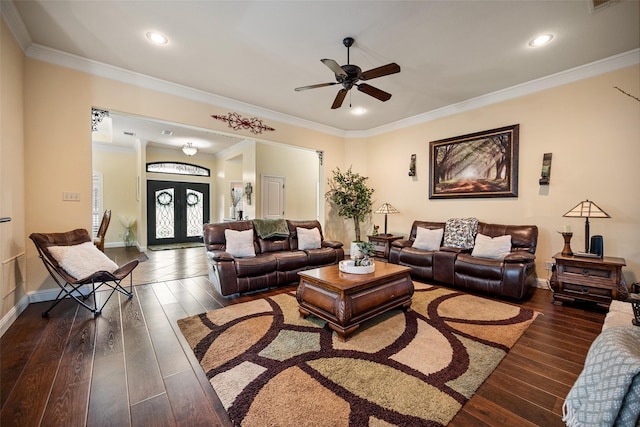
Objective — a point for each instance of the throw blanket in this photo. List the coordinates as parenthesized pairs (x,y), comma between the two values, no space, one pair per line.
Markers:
(607,391)
(268,228)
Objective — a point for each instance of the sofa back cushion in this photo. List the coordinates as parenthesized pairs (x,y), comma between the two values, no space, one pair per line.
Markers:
(523,237)
(293,234)
(431,225)
(273,245)
(213,234)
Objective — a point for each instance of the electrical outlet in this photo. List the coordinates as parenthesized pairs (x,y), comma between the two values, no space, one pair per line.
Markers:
(548,265)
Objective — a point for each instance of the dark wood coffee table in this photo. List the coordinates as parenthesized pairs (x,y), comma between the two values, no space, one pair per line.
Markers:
(346,300)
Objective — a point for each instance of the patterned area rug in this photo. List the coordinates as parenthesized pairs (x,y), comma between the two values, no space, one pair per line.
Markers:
(270,367)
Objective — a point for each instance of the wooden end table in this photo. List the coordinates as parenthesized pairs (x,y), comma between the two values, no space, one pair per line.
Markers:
(382,245)
(599,280)
(346,300)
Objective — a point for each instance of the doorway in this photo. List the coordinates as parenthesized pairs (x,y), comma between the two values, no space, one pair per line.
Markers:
(176,211)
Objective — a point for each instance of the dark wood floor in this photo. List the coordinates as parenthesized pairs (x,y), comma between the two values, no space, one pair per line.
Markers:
(132,367)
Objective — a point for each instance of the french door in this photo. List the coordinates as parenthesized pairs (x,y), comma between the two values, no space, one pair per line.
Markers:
(176,211)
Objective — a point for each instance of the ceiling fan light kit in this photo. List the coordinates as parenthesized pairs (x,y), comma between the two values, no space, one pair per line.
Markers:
(349,75)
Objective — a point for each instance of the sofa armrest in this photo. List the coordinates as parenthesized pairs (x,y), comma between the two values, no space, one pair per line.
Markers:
(219,256)
(402,243)
(519,256)
(331,244)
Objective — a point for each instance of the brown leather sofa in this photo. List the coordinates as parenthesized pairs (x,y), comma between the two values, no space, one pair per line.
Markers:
(510,277)
(277,260)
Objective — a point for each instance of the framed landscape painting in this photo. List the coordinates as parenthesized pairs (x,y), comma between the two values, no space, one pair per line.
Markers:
(482,164)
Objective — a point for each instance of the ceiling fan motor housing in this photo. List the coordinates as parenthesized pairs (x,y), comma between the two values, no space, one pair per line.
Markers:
(354,73)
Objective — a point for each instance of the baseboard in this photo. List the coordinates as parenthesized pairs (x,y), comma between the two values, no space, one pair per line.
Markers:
(543,284)
(51,294)
(13,314)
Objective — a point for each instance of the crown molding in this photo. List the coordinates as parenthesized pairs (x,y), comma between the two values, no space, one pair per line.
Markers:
(100,69)
(616,62)
(34,51)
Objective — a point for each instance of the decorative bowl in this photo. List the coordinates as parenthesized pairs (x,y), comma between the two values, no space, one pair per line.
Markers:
(348,266)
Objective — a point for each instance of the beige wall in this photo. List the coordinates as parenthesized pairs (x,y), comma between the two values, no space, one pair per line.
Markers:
(300,170)
(119,175)
(12,204)
(592,130)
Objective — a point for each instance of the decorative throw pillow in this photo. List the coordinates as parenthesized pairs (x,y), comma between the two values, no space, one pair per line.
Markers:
(308,238)
(428,239)
(240,243)
(493,248)
(460,232)
(82,260)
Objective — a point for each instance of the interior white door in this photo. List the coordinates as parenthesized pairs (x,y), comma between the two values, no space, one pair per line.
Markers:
(273,196)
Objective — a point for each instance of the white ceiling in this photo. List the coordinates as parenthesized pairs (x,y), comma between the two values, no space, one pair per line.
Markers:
(257,52)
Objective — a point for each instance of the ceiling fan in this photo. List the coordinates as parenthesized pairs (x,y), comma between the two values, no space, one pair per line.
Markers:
(349,75)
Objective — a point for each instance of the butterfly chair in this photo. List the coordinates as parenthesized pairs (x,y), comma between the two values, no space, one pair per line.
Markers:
(74,262)
(102,231)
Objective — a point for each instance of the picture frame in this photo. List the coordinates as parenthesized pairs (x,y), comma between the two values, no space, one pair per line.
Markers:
(481,164)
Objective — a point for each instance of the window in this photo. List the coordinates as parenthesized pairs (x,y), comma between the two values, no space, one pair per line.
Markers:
(96,202)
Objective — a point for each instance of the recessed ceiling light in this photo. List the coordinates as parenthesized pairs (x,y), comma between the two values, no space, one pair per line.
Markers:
(541,40)
(157,38)
(358,111)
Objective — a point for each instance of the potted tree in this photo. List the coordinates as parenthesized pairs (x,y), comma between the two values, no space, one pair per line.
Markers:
(349,192)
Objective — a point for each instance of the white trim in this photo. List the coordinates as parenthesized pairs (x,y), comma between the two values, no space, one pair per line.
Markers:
(51,294)
(542,284)
(13,314)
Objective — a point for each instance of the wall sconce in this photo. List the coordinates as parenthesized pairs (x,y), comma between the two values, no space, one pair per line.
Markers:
(412,165)
(545,174)
(248,189)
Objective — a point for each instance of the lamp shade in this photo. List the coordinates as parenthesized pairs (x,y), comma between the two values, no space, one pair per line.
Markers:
(586,209)
(385,209)
(189,149)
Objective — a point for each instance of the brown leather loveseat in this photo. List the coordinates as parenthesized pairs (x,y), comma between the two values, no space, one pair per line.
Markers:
(510,275)
(277,260)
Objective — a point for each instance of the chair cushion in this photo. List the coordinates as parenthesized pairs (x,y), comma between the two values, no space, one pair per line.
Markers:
(290,260)
(260,265)
(427,239)
(82,260)
(240,243)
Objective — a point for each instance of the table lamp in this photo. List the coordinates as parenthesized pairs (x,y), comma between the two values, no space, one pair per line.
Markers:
(586,209)
(385,209)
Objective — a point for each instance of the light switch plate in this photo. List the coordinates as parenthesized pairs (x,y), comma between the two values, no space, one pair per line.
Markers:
(70,196)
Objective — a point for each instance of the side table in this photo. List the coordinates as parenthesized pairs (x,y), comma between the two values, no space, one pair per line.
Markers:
(382,245)
(598,280)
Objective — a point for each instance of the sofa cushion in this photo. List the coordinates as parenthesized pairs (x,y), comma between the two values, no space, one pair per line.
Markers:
(240,243)
(308,238)
(255,266)
(494,248)
(460,232)
(290,260)
(427,239)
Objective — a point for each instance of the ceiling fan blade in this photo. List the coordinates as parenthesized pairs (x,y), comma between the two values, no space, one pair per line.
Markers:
(333,65)
(339,98)
(298,89)
(385,70)
(374,91)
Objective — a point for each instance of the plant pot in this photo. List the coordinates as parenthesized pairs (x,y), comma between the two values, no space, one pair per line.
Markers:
(354,251)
